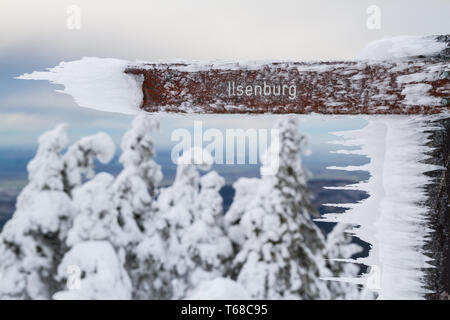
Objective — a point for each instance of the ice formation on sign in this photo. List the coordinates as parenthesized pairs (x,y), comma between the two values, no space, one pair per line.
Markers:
(401,47)
(96,83)
(364,85)
(393,219)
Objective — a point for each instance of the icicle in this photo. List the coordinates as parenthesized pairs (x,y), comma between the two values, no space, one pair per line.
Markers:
(393,218)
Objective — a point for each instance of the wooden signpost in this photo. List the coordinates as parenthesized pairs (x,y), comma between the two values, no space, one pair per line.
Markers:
(413,85)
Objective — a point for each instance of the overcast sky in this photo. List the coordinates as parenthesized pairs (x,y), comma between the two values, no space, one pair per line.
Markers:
(206,29)
(34,35)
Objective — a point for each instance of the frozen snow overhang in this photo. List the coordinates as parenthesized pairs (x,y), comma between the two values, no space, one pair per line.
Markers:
(402,75)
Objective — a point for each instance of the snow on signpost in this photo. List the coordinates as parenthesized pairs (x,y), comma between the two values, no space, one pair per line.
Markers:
(404,76)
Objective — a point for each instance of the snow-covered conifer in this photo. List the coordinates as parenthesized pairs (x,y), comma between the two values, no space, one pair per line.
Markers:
(209,247)
(33,241)
(79,159)
(280,250)
(116,210)
(190,244)
(339,246)
(96,216)
(135,186)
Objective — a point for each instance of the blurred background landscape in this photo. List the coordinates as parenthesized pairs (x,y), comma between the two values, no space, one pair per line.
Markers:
(14,158)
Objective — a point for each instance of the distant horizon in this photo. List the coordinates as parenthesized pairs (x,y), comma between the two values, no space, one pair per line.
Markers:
(13,162)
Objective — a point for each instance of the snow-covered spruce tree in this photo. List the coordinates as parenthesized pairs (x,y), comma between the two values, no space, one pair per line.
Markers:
(280,250)
(79,158)
(92,200)
(189,245)
(119,210)
(135,186)
(96,216)
(133,194)
(339,246)
(210,248)
(33,242)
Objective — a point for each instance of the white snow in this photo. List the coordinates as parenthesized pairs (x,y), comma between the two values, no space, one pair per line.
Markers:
(197,156)
(219,289)
(96,83)
(102,275)
(416,77)
(92,200)
(401,47)
(319,67)
(79,158)
(417,94)
(393,219)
